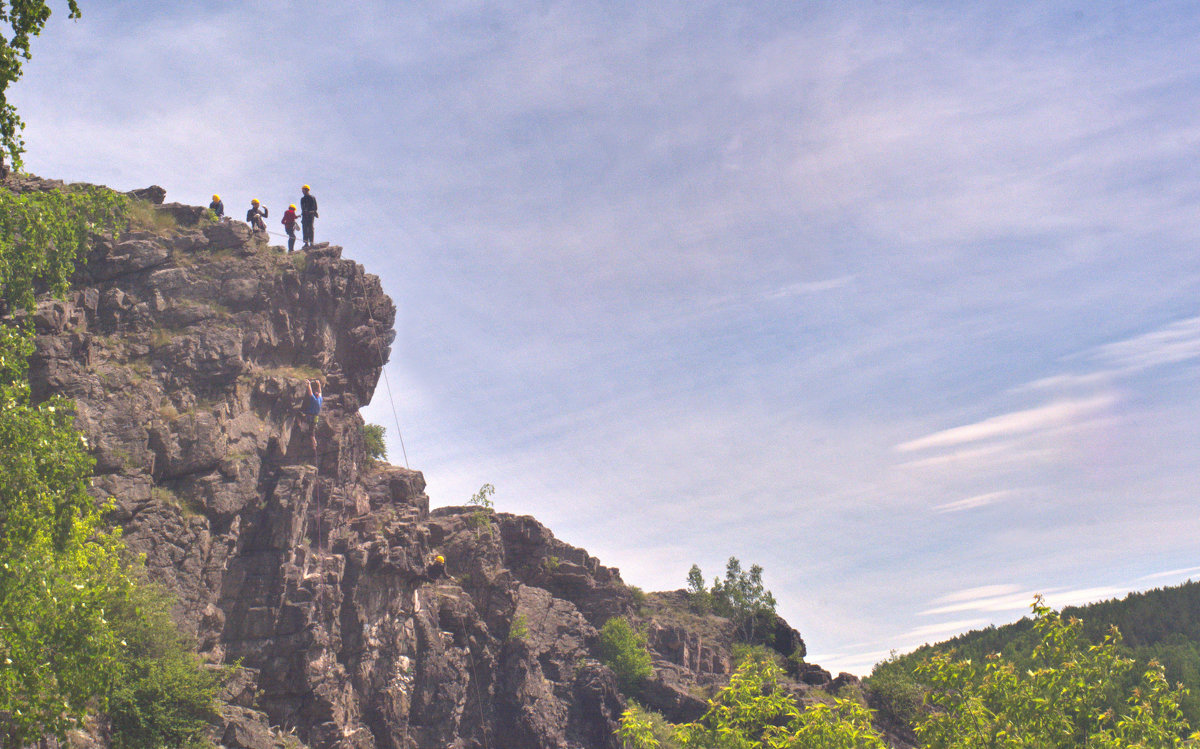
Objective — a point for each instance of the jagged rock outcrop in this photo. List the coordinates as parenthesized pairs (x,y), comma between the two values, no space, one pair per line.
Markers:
(186,347)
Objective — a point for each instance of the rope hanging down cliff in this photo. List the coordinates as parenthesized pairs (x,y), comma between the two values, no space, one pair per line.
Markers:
(383,371)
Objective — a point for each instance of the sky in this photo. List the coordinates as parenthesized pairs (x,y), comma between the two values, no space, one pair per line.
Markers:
(897,300)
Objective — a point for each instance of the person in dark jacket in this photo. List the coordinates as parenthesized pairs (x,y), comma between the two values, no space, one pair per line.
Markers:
(308,212)
(217,206)
(256,214)
(289,225)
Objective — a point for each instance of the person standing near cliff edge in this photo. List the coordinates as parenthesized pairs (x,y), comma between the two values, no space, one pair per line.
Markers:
(289,225)
(308,212)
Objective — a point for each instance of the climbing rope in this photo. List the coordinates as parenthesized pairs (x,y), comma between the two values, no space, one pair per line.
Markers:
(475,679)
(383,370)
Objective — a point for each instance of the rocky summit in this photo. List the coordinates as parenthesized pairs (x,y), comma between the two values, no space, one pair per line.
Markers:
(185,343)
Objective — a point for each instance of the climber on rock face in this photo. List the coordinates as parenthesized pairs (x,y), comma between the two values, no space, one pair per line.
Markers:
(289,225)
(313,403)
(434,571)
(216,206)
(256,214)
(308,212)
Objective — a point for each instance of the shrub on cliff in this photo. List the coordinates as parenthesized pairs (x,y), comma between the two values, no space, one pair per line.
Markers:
(623,649)
(372,435)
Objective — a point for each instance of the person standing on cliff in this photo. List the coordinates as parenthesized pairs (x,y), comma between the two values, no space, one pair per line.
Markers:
(308,212)
(256,214)
(289,225)
(217,206)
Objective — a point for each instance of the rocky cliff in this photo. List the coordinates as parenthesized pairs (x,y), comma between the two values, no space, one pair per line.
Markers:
(185,344)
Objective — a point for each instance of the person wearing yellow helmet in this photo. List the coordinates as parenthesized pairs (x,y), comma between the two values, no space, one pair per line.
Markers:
(308,212)
(216,206)
(434,571)
(289,225)
(256,214)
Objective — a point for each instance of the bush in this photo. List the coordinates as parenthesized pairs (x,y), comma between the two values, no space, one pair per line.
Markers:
(623,649)
(482,516)
(742,652)
(1076,694)
(372,435)
(164,696)
(895,691)
(519,629)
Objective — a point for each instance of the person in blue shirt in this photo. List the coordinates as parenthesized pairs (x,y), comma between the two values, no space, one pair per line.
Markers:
(314,401)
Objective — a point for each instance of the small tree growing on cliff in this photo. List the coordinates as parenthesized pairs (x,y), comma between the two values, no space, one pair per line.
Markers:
(373,441)
(741,596)
(699,597)
(623,649)
(482,501)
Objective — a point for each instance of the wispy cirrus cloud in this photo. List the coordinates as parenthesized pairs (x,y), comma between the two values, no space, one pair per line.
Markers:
(1058,415)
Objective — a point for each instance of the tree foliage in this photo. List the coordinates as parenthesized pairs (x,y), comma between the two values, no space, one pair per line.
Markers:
(72,614)
(624,650)
(44,235)
(20,21)
(374,442)
(754,712)
(741,596)
(164,696)
(1074,695)
(1160,625)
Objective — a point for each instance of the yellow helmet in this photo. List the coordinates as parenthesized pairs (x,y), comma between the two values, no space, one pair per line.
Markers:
(292,206)
(216,197)
(440,559)
(306,187)
(255,201)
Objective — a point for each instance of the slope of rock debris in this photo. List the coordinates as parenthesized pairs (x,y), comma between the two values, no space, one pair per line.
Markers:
(186,344)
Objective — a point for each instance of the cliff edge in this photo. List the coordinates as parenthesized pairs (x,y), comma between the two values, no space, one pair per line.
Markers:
(185,344)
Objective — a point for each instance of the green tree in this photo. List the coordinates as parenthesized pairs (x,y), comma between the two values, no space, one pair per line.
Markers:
(742,597)
(699,598)
(72,615)
(373,441)
(1064,700)
(59,568)
(623,649)
(164,696)
(753,712)
(482,501)
(24,19)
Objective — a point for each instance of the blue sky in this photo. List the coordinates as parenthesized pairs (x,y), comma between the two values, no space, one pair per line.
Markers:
(898,300)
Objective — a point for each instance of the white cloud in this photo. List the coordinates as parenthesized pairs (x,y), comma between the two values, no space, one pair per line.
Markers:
(1174,343)
(810,287)
(1018,423)
(971,503)
(1177,574)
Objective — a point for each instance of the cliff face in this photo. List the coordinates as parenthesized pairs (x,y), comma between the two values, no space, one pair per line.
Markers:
(185,346)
